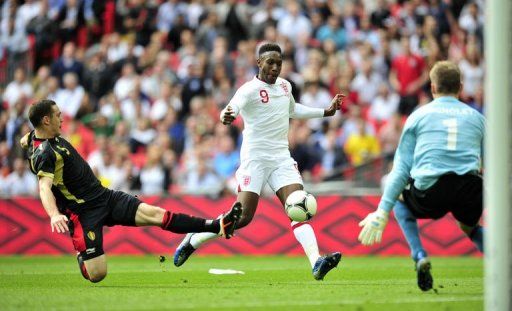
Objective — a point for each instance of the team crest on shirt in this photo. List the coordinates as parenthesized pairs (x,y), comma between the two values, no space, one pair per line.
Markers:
(285,87)
(246,180)
(91,235)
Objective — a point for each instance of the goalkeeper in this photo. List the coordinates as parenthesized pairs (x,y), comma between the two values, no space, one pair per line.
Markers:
(435,171)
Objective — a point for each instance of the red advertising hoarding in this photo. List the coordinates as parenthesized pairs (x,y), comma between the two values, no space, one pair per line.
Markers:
(25,229)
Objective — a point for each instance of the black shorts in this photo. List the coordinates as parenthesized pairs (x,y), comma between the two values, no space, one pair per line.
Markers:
(86,225)
(459,194)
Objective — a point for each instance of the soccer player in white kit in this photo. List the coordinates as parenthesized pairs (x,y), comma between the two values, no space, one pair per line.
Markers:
(266,104)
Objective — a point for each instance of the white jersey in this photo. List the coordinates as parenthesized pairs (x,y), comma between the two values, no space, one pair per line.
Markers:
(265,109)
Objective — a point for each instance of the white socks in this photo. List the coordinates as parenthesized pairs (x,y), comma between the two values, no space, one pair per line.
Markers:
(199,239)
(306,236)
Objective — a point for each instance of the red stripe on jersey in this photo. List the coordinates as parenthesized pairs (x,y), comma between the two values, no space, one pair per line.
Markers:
(78,234)
(238,189)
(37,143)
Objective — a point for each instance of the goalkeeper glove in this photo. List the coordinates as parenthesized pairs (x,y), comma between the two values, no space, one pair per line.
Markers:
(373,226)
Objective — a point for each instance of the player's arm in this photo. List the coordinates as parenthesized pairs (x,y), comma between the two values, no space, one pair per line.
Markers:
(233,108)
(299,111)
(375,223)
(25,140)
(335,105)
(57,220)
(45,167)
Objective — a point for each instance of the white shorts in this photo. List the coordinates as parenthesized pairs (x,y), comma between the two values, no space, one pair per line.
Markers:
(252,175)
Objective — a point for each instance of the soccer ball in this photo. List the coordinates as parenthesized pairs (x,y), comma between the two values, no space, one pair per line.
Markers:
(300,206)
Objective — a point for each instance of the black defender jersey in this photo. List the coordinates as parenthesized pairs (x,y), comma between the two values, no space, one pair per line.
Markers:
(74,183)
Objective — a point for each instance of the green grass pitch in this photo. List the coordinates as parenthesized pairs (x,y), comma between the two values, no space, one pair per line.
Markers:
(269,283)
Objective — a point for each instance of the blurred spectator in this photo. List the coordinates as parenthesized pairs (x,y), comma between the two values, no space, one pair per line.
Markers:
(202,180)
(67,63)
(95,158)
(381,14)
(477,102)
(315,96)
(137,19)
(40,83)
(384,105)
(472,20)
(21,182)
(361,146)
(333,31)
(366,83)
(294,24)
(333,156)
(352,124)
(135,106)
(266,14)
(407,76)
(126,82)
(300,150)
(97,77)
(15,122)
(117,172)
(226,158)
(473,71)
(235,17)
(194,86)
(152,175)
(14,43)
(168,13)
(142,135)
(70,19)
(44,29)
(18,88)
(156,76)
(209,29)
(389,134)
(70,98)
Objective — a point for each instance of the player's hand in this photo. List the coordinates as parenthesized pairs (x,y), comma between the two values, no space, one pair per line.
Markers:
(227,115)
(59,223)
(373,226)
(24,141)
(335,105)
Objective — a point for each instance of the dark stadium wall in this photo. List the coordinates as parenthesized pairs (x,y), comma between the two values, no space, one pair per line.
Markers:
(25,229)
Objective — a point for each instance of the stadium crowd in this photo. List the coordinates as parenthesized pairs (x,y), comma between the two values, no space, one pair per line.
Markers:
(141,83)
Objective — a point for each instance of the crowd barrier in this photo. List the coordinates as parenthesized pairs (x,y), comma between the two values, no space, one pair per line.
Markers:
(25,229)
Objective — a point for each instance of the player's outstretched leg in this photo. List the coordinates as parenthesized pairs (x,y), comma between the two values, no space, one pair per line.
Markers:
(324,264)
(228,223)
(423,266)
(229,220)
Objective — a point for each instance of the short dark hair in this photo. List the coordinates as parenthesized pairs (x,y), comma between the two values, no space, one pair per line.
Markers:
(445,75)
(269,47)
(39,110)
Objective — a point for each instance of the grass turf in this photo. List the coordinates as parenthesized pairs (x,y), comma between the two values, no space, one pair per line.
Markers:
(269,283)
